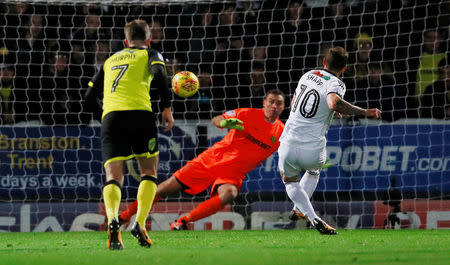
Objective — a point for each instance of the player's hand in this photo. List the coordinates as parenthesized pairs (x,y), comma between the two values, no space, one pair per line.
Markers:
(373,113)
(340,115)
(232,123)
(167,119)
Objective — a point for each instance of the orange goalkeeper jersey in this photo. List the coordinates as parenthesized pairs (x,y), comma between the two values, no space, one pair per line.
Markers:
(241,151)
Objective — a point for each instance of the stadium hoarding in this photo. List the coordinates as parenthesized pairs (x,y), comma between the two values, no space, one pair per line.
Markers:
(66,163)
(63,164)
(42,163)
(413,214)
(89,216)
(367,158)
(423,214)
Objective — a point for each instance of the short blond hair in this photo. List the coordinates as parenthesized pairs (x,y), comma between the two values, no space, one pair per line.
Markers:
(137,29)
(336,58)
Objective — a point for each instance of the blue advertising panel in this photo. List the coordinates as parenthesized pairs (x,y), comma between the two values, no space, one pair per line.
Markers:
(39,163)
(368,157)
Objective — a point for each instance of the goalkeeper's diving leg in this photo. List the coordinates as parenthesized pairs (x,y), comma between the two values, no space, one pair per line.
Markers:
(226,193)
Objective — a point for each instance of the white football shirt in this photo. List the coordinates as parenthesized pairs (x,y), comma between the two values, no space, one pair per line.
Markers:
(310,116)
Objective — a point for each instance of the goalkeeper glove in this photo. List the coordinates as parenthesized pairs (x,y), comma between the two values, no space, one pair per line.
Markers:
(231,123)
(327,165)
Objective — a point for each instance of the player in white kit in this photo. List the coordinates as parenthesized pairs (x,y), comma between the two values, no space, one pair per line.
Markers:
(319,94)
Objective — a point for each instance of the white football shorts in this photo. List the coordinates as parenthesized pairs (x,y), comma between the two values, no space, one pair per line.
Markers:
(293,158)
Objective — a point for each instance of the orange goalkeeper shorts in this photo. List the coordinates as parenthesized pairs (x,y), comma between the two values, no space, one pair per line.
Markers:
(197,178)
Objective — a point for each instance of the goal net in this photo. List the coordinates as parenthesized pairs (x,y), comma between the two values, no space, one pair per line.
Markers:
(392,173)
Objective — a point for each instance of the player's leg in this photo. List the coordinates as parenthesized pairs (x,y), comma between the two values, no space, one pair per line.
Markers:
(290,169)
(167,187)
(171,186)
(164,189)
(301,200)
(112,189)
(299,196)
(144,144)
(223,192)
(192,178)
(147,187)
(308,183)
(126,215)
(226,193)
(112,196)
(296,214)
(195,178)
(317,159)
(131,210)
(291,161)
(115,149)
(145,196)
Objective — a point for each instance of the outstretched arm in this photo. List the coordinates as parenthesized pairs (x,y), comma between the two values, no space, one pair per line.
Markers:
(336,103)
(216,120)
(232,123)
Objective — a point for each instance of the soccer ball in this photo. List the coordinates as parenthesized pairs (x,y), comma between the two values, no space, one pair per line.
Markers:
(185,84)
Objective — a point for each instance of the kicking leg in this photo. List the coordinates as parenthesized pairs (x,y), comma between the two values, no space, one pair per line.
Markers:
(299,196)
(301,200)
(309,181)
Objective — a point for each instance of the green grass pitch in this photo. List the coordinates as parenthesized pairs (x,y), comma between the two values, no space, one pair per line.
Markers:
(232,248)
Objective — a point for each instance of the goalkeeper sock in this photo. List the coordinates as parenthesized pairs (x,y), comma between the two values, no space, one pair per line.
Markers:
(309,182)
(111,197)
(146,194)
(204,209)
(298,195)
(132,209)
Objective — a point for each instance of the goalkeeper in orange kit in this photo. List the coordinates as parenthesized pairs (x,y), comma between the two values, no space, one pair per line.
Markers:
(253,136)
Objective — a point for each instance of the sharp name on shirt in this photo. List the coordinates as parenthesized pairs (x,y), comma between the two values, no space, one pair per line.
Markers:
(315,79)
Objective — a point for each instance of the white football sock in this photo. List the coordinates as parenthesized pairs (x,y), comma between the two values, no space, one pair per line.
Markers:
(301,200)
(309,182)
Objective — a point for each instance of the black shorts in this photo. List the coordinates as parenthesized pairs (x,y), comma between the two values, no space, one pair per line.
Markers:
(128,134)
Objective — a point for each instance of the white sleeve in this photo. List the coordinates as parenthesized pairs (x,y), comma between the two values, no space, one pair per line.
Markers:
(336,86)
